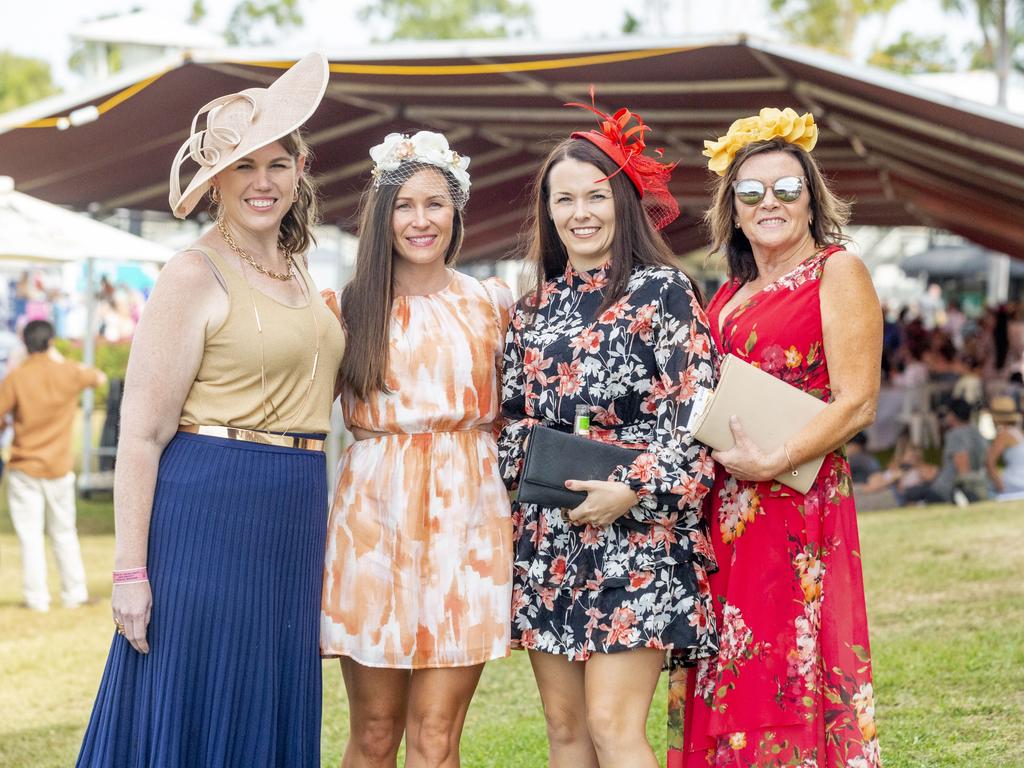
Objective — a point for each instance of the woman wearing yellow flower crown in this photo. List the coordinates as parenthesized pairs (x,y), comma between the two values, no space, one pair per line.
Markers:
(792,682)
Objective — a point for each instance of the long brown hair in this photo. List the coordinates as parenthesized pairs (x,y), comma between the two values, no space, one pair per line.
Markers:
(367,299)
(635,242)
(296,232)
(829,213)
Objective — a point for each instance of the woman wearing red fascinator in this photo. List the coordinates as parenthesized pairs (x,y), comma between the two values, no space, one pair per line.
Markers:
(615,332)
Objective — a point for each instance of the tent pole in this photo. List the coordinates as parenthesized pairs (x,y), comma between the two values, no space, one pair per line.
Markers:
(89,358)
(997,281)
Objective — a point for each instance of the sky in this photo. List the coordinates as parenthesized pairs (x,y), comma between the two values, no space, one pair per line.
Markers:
(41,28)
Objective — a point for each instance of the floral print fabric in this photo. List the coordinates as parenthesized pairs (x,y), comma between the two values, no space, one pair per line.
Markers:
(419,548)
(638,366)
(791,685)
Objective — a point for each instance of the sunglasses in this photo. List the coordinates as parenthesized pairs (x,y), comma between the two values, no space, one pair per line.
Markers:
(751,191)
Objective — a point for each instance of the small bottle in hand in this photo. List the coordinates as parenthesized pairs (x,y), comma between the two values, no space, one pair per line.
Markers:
(580,426)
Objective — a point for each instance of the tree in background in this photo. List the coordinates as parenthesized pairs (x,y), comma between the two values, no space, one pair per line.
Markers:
(833,24)
(1001,23)
(828,24)
(84,63)
(23,80)
(631,25)
(450,19)
(197,13)
(656,18)
(254,22)
(911,55)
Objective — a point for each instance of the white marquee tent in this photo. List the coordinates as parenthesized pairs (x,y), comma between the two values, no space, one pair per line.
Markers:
(32,230)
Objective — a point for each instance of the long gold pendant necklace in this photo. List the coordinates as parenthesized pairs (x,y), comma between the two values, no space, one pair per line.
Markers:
(307,292)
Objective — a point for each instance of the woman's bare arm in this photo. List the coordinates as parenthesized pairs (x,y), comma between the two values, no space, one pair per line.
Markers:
(166,352)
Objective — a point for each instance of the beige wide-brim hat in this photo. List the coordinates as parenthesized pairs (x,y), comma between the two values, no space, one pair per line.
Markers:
(1004,410)
(243,122)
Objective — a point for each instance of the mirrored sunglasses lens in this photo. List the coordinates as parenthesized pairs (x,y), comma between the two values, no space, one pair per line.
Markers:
(749,192)
(788,189)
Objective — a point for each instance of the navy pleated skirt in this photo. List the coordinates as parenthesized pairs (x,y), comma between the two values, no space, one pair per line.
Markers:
(232,679)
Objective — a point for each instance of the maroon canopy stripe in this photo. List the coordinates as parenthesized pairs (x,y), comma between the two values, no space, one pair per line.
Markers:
(903,154)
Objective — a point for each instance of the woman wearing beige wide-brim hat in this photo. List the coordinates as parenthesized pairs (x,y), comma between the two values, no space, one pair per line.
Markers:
(1008,446)
(220,491)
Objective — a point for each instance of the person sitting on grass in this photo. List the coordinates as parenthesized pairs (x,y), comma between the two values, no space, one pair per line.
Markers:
(873,487)
(907,467)
(961,477)
(1007,446)
(862,463)
(878,488)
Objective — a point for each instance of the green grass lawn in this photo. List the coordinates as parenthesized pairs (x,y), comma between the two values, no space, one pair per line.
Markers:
(945,599)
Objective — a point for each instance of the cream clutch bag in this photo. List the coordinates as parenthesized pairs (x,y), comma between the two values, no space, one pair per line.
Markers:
(770,411)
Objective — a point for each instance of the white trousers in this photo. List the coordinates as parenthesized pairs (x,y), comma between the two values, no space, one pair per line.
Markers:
(39,505)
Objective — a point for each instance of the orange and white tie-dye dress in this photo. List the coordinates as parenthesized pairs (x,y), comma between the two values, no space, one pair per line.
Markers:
(419,543)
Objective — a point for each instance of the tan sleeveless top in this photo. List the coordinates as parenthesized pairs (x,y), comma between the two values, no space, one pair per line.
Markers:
(227,390)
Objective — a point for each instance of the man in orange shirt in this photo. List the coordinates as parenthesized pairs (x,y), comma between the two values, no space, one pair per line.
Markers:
(42,394)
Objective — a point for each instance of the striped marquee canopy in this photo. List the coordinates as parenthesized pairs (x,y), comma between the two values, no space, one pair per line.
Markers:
(904,154)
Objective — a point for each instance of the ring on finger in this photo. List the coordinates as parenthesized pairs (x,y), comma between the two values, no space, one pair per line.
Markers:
(119,627)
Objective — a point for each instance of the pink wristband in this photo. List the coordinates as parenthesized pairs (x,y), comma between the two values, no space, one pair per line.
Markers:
(130,576)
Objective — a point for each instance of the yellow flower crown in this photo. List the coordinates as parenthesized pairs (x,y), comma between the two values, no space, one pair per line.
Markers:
(769,123)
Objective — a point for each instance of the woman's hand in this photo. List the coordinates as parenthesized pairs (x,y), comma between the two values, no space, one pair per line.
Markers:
(606,502)
(132,604)
(745,461)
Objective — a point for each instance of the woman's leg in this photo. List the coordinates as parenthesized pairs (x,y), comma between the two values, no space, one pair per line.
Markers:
(561,685)
(619,689)
(376,714)
(438,702)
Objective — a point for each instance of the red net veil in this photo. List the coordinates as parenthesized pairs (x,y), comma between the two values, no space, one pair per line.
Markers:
(625,145)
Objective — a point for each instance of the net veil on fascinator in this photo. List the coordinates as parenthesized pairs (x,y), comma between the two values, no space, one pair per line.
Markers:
(400,157)
(625,145)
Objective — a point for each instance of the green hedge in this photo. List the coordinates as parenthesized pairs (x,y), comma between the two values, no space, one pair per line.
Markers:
(112,359)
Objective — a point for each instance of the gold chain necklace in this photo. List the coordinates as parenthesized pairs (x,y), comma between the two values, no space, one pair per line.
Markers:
(230,240)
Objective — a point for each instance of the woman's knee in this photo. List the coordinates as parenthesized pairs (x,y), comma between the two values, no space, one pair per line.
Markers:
(610,724)
(434,734)
(566,722)
(377,735)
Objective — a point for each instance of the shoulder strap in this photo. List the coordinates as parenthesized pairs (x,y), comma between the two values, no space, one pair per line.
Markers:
(822,256)
(217,265)
(828,251)
(301,264)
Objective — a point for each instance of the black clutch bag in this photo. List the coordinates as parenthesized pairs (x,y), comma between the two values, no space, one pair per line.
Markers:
(552,457)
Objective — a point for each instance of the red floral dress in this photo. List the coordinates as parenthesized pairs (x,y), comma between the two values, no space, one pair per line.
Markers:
(792,683)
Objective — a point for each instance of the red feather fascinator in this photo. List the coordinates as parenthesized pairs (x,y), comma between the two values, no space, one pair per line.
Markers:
(625,145)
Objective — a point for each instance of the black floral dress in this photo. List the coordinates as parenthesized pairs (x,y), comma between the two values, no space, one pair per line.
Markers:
(639,366)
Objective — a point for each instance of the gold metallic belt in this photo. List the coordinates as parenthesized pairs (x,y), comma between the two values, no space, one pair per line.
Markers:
(254,436)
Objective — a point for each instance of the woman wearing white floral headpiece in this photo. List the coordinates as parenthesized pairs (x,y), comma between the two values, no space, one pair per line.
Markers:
(417,584)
